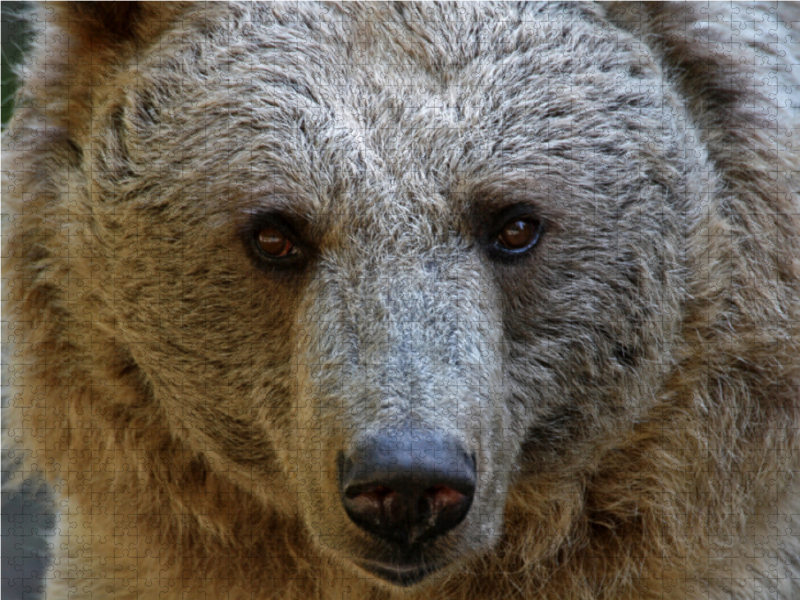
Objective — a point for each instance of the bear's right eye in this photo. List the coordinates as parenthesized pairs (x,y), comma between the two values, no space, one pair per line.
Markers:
(513,233)
(272,242)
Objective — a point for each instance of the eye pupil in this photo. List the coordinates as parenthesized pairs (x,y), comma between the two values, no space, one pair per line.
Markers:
(518,234)
(274,243)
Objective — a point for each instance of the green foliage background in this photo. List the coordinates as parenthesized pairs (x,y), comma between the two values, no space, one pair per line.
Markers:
(15,36)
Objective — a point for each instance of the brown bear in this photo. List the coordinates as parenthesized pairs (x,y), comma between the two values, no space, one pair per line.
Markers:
(409,301)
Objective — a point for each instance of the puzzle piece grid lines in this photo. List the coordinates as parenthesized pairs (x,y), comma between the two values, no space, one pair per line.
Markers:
(450,295)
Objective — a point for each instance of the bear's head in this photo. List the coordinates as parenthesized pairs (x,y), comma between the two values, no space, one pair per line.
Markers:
(380,266)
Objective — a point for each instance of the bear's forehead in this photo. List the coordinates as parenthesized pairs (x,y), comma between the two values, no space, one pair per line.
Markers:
(386,109)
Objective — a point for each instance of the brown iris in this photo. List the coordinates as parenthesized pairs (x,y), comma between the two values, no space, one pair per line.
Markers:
(273,243)
(519,234)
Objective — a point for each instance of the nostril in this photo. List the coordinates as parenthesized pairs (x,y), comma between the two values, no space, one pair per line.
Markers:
(442,497)
(377,492)
(371,503)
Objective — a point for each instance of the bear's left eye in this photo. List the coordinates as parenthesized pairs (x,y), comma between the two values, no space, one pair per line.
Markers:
(518,235)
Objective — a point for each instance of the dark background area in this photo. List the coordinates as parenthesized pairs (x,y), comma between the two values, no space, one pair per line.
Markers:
(27,522)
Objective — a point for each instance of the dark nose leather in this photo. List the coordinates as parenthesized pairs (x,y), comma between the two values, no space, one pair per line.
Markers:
(409,485)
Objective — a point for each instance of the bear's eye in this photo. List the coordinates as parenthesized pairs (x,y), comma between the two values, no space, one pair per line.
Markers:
(275,244)
(519,235)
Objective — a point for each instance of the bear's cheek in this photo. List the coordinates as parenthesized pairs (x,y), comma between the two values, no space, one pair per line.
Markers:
(223,345)
(583,340)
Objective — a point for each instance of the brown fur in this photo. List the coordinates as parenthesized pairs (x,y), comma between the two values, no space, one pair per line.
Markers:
(630,387)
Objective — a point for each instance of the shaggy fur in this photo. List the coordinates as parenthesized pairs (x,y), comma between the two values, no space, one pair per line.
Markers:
(629,387)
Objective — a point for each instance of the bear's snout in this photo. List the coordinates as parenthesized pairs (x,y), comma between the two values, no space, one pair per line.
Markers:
(408,486)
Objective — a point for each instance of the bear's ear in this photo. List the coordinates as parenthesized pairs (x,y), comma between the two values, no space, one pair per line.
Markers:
(84,50)
(730,60)
(115,24)
(732,64)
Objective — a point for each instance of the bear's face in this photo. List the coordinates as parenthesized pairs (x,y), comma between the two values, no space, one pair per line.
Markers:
(454,228)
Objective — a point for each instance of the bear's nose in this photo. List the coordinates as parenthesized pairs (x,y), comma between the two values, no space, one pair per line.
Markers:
(408,485)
